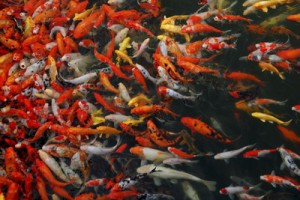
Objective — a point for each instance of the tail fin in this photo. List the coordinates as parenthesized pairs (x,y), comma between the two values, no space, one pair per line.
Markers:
(211,185)
(287,123)
(281,76)
(282,103)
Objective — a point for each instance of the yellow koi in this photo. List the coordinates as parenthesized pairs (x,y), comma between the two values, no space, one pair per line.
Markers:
(139,100)
(264,5)
(265,117)
(124,57)
(175,29)
(134,122)
(122,47)
(97,117)
(29,25)
(268,66)
(171,20)
(84,14)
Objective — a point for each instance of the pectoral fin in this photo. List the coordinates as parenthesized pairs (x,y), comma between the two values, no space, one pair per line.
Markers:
(264,9)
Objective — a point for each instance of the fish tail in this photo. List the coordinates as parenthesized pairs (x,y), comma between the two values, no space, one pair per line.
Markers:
(211,185)
(281,76)
(282,103)
(287,123)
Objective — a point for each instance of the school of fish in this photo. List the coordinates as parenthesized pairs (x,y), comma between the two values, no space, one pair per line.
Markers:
(91,91)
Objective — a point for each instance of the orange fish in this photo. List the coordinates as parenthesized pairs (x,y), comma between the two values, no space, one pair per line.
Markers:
(289,134)
(239,76)
(204,129)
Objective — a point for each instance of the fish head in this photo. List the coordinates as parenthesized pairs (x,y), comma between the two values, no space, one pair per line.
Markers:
(223,191)
(137,150)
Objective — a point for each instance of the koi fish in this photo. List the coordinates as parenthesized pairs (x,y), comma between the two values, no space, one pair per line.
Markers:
(150,154)
(268,66)
(266,117)
(103,151)
(258,153)
(230,154)
(261,102)
(167,173)
(288,161)
(204,129)
(231,190)
(289,134)
(296,108)
(273,180)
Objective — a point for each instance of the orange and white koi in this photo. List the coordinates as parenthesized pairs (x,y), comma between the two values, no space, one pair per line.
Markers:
(262,102)
(278,180)
(150,154)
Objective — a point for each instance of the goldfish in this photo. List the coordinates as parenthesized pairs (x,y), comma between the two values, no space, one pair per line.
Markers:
(267,66)
(266,117)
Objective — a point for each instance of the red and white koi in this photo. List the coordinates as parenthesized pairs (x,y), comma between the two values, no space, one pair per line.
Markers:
(296,108)
(258,153)
(167,92)
(231,190)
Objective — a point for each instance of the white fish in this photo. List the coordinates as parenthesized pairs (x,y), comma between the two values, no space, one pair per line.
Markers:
(230,154)
(101,151)
(121,35)
(146,74)
(70,173)
(176,161)
(117,118)
(124,94)
(52,164)
(189,191)
(82,79)
(231,190)
(142,48)
(167,173)
(288,161)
